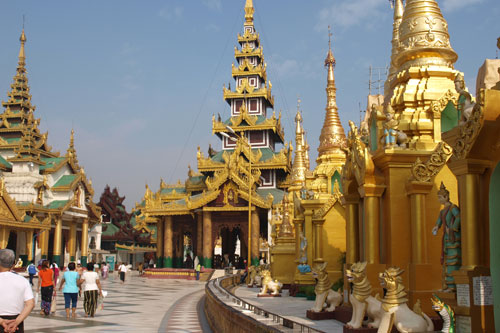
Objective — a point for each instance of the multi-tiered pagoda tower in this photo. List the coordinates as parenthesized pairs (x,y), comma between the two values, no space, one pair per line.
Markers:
(51,191)
(236,186)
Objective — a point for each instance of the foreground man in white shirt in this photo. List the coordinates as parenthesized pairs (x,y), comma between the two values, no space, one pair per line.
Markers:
(16,301)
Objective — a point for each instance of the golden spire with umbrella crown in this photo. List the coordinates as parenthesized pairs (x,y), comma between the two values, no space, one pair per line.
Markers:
(398,16)
(249,10)
(22,55)
(299,163)
(332,138)
(423,33)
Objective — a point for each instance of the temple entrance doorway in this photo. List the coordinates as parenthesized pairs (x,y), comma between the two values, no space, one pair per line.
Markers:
(229,248)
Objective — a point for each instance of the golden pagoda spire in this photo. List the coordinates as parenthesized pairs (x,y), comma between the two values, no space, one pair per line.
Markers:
(299,163)
(332,138)
(22,55)
(249,10)
(72,141)
(423,33)
(19,97)
(398,16)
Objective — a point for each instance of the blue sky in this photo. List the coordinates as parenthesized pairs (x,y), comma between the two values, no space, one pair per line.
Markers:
(140,80)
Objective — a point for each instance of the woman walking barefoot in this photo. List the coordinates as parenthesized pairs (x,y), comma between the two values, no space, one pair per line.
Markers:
(91,290)
(69,281)
(47,284)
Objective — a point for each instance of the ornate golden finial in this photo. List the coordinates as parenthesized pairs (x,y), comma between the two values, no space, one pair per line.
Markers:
(423,32)
(22,55)
(72,139)
(249,10)
(330,59)
(332,137)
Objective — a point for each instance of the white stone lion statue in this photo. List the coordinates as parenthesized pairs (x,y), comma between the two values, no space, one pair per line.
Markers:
(324,293)
(395,309)
(361,299)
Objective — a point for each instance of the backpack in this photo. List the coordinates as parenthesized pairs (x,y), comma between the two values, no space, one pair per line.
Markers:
(31,269)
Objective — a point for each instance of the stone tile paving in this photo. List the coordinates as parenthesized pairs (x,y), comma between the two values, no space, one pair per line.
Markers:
(293,308)
(139,305)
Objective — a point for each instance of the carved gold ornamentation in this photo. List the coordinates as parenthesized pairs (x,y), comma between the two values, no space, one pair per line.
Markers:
(423,29)
(246,68)
(230,194)
(438,106)
(356,158)
(247,91)
(470,129)
(424,172)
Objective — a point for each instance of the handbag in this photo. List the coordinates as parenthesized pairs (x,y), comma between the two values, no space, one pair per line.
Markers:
(53,307)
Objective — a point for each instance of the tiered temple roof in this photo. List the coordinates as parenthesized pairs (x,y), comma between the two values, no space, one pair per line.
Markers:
(37,178)
(248,135)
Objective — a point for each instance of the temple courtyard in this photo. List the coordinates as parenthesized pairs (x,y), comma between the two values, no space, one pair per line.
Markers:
(139,305)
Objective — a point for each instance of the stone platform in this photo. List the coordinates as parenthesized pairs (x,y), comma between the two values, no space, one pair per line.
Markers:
(177,273)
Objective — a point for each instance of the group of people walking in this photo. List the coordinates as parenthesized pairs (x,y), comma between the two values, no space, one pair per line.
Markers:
(74,280)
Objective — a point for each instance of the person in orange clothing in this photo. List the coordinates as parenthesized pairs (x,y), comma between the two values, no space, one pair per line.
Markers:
(47,284)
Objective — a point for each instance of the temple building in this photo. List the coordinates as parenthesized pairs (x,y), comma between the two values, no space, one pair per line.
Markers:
(228,201)
(49,196)
(122,238)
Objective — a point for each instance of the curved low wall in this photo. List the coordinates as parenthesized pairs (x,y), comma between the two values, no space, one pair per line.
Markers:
(224,318)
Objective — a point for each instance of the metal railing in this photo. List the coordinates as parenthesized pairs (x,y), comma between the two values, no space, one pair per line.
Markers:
(277,319)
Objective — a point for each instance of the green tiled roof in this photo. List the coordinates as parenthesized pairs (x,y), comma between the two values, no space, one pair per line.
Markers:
(260,119)
(170,190)
(51,162)
(57,204)
(5,163)
(27,218)
(276,193)
(12,140)
(111,229)
(65,180)
(218,157)
(197,179)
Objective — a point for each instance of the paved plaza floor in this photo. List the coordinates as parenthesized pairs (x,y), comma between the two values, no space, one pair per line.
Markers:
(139,305)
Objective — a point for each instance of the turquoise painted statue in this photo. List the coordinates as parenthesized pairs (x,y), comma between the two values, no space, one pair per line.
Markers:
(451,252)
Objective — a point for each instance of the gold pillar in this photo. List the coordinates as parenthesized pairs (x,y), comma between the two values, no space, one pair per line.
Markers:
(371,221)
(309,207)
(417,192)
(167,243)
(44,242)
(468,172)
(84,244)
(72,241)
(207,239)
(199,235)
(255,234)
(4,237)
(318,240)
(298,230)
(159,243)
(58,237)
(352,232)
(58,257)
(372,227)
(29,245)
(469,219)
